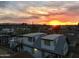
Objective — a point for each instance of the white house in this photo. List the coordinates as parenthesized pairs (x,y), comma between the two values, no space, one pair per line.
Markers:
(42,45)
(33,42)
(28,41)
(55,43)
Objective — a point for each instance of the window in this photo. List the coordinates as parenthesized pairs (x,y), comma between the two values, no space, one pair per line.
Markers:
(30,39)
(33,39)
(47,42)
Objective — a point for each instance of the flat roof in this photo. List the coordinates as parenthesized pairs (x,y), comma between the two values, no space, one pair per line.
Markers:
(33,34)
(52,36)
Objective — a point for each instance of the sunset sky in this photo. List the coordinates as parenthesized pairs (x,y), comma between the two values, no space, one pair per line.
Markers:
(40,12)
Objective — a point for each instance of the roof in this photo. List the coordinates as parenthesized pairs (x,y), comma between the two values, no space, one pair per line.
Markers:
(33,34)
(52,36)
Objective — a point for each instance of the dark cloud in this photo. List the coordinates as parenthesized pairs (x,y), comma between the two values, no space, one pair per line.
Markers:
(22,7)
(10,17)
(3,4)
(74,8)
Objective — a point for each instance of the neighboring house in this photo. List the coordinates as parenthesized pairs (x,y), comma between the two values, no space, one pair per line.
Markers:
(55,43)
(4,39)
(7,30)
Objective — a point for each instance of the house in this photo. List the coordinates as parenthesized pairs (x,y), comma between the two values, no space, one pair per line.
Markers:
(41,45)
(33,42)
(7,30)
(27,42)
(4,39)
(55,43)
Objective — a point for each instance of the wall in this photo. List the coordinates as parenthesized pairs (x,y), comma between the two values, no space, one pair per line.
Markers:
(51,47)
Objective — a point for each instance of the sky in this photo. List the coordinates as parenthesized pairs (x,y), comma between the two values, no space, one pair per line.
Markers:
(40,12)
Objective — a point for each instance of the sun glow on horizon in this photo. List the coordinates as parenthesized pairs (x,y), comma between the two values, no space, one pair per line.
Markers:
(57,22)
